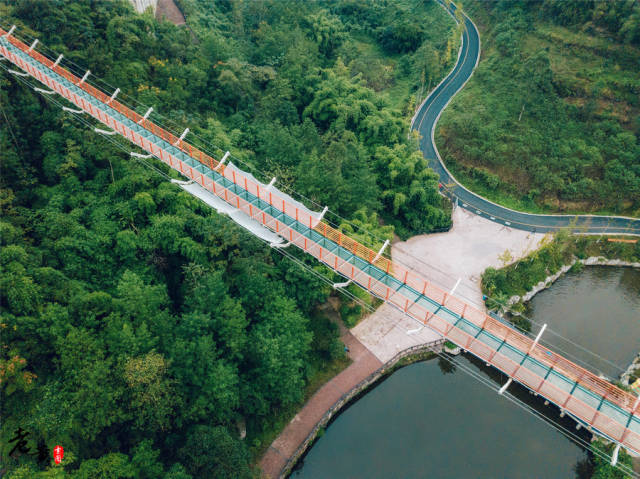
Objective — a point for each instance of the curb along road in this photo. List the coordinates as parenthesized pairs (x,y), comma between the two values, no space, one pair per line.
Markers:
(425,122)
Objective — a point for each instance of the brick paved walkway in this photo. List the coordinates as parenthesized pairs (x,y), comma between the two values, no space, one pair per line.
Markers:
(364,363)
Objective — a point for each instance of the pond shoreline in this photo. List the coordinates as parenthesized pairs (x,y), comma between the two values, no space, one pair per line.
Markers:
(549,280)
(403,358)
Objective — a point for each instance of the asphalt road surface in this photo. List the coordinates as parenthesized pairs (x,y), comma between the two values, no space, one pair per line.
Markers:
(425,122)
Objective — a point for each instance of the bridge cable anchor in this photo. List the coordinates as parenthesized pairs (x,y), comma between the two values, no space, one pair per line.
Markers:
(533,345)
(224,158)
(347,283)
(146,115)
(184,133)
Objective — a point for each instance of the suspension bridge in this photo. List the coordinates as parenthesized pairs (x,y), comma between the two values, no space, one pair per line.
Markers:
(278,218)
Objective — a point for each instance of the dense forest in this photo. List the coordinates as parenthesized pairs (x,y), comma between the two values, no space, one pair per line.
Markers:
(139,329)
(550,121)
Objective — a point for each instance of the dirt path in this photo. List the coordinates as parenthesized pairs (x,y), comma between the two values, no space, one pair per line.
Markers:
(297,431)
(169,10)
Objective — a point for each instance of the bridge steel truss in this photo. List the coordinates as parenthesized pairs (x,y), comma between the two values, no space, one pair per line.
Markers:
(593,401)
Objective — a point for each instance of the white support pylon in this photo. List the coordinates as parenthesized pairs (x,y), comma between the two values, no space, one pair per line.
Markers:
(33,45)
(11,30)
(341,285)
(533,345)
(57,62)
(224,158)
(84,78)
(506,385)
(347,283)
(386,243)
(325,209)
(146,115)
(413,331)
(113,97)
(544,326)
(455,286)
(614,456)
(184,133)
(271,183)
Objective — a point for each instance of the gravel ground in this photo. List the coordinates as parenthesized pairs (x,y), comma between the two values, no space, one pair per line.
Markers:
(464,252)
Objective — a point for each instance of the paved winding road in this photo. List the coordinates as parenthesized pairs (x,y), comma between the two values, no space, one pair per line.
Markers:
(425,121)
